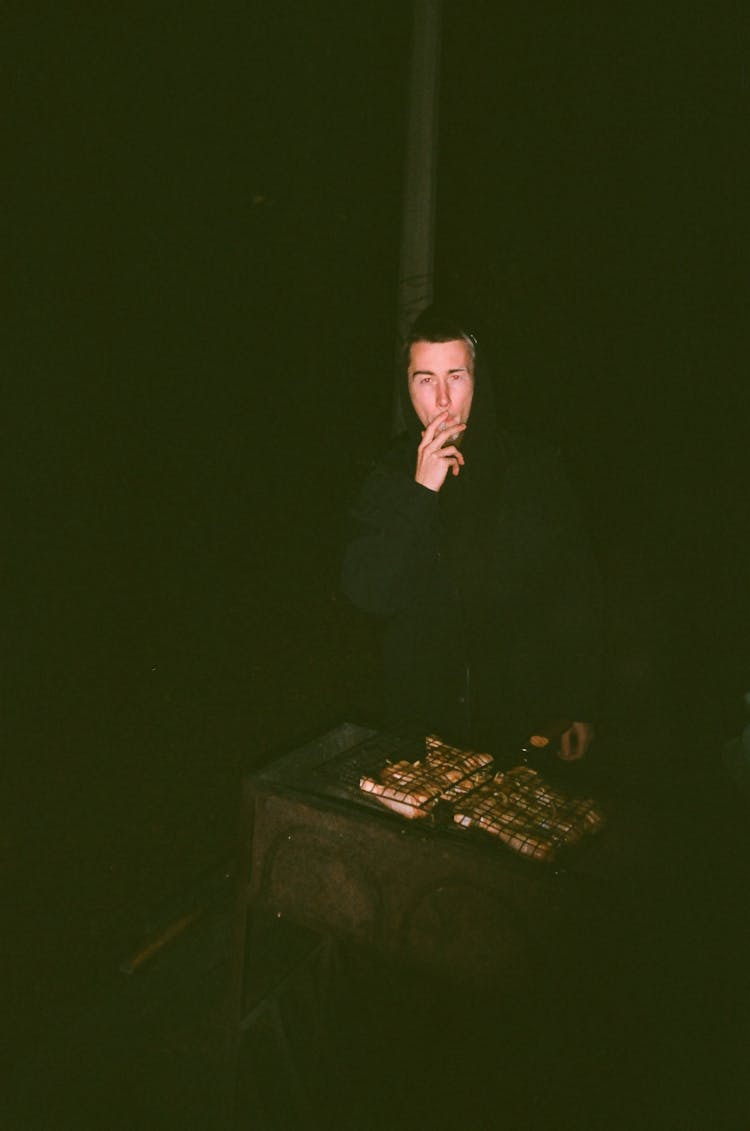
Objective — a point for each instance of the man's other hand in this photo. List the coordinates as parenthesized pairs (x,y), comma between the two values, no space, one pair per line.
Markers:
(575,741)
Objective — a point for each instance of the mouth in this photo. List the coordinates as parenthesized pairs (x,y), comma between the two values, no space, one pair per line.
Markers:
(450,437)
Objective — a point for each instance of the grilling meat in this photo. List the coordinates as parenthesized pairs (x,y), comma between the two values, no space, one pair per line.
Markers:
(446,773)
(523,811)
(517,806)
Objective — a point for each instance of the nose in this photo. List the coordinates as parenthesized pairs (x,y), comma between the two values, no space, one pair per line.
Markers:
(443,397)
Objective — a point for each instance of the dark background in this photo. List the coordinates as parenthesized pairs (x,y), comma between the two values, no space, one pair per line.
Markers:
(202,254)
(203,245)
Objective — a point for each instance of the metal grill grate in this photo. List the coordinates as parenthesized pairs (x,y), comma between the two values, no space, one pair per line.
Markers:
(369,757)
(515,807)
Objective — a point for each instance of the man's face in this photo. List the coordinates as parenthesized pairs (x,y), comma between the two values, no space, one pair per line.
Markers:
(441,378)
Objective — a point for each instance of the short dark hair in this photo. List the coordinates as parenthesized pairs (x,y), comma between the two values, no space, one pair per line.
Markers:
(436,325)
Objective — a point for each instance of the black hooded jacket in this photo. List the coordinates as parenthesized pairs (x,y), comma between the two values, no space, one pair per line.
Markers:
(488,588)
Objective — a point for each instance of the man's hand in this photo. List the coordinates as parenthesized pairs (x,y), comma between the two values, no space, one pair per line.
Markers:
(575,741)
(434,461)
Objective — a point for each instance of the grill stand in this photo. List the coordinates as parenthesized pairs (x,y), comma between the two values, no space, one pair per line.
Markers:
(323,872)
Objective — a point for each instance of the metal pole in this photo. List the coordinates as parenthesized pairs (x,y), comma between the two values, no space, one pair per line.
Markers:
(415,286)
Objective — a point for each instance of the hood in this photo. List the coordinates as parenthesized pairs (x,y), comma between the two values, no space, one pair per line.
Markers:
(479,440)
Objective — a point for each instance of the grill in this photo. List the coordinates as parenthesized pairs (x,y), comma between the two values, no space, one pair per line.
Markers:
(321,857)
(319,852)
(335,768)
(537,820)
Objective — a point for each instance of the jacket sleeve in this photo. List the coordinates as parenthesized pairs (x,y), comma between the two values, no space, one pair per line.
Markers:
(392,539)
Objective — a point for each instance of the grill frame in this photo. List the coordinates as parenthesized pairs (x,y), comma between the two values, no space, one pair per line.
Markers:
(450,906)
(307,807)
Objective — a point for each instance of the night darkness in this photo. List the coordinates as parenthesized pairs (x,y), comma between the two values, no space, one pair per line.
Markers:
(202,243)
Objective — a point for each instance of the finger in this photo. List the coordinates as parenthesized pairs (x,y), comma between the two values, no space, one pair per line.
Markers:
(433,427)
(584,743)
(453,464)
(453,459)
(452,425)
(448,450)
(444,439)
(568,746)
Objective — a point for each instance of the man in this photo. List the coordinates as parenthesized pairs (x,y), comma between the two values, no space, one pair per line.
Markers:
(466,539)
